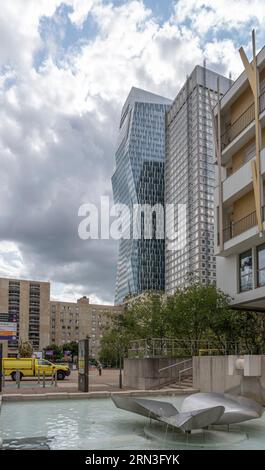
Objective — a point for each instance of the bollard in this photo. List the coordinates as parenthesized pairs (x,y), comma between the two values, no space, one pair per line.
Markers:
(38,376)
(18,378)
(3,379)
(43,379)
(55,382)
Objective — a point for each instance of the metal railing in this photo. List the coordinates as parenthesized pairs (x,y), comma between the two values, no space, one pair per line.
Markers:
(242,122)
(174,347)
(183,368)
(239,226)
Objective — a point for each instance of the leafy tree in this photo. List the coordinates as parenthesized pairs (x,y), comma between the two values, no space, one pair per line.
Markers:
(25,349)
(198,314)
(72,347)
(57,352)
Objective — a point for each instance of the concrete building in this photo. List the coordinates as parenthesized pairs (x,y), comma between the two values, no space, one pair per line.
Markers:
(139,179)
(71,321)
(189,178)
(30,302)
(240,186)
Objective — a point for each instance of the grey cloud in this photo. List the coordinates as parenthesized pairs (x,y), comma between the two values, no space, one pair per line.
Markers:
(43,190)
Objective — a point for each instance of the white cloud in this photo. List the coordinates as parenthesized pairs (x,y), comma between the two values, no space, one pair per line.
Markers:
(58,124)
(206,14)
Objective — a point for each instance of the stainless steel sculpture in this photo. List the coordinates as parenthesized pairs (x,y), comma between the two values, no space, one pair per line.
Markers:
(198,410)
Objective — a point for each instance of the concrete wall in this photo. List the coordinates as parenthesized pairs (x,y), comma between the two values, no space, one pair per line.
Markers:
(227,274)
(210,374)
(143,374)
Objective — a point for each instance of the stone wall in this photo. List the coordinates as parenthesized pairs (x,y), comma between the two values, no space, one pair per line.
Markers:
(142,374)
(210,374)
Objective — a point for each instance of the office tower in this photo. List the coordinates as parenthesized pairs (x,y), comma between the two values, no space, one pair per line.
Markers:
(189,178)
(239,193)
(29,302)
(139,179)
(73,321)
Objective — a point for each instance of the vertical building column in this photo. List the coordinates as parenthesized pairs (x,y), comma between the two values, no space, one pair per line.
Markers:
(218,151)
(253,78)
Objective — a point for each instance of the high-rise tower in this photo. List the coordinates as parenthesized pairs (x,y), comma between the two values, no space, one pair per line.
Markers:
(189,177)
(139,179)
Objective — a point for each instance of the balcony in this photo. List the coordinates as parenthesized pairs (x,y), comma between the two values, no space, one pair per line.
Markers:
(241,123)
(239,226)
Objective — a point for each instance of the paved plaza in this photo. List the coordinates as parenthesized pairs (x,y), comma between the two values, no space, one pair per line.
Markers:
(108,381)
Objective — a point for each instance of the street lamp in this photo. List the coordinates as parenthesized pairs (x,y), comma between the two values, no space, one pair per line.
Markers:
(120,366)
(120,351)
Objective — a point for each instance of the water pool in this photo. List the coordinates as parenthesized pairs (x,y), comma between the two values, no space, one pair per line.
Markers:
(97,424)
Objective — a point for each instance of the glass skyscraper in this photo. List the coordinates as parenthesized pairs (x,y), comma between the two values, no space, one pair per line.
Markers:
(139,179)
(190,178)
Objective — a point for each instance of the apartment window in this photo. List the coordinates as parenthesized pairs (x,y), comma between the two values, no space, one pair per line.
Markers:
(261,265)
(245,271)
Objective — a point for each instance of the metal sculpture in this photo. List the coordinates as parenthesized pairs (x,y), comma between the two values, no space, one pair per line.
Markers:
(198,410)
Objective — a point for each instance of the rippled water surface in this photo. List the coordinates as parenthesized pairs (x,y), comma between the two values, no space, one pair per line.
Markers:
(97,424)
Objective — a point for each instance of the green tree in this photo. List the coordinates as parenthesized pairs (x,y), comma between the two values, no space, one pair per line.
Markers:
(199,314)
(25,349)
(72,347)
(57,352)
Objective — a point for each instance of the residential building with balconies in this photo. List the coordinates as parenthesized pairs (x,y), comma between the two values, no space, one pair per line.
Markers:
(73,321)
(240,186)
(29,303)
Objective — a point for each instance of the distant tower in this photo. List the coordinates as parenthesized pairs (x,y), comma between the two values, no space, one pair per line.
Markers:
(189,177)
(139,179)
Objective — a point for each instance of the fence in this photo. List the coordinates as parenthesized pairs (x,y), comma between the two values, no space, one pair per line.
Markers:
(168,347)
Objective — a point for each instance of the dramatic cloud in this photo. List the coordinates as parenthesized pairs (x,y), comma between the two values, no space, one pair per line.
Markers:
(66,68)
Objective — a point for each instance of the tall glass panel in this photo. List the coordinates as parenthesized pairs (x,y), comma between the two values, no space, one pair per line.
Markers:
(245,271)
(261,265)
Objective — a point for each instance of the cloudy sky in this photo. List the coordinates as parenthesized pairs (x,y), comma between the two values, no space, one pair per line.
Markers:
(66,68)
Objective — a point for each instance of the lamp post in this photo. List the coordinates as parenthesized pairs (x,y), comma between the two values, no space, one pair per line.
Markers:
(120,366)
(120,351)
(87,358)
(83,365)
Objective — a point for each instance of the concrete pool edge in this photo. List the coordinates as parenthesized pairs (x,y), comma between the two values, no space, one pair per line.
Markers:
(82,395)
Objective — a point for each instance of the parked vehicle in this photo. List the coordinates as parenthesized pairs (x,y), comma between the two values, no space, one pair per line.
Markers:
(32,367)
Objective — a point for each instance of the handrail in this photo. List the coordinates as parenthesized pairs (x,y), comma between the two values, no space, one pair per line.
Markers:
(184,370)
(242,122)
(173,365)
(179,372)
(239,226)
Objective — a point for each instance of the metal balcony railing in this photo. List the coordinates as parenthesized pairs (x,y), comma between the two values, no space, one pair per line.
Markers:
(174,347)
(242,122)
(239,226)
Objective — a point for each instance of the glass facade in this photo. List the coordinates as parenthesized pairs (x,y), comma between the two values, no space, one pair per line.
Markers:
(261,265)
(190,178)
(139,179)
(245,271)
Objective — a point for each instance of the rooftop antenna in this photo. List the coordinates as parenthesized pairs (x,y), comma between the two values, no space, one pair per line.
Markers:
(230,78)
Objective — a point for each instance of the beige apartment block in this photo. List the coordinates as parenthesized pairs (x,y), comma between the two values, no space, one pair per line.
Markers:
(30,302)
(73,321)
(240,186)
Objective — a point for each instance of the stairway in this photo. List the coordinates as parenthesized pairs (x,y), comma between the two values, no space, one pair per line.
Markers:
(183,376)
(186,382)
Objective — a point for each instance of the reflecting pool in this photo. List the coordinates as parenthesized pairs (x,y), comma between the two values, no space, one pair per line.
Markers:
(97,424)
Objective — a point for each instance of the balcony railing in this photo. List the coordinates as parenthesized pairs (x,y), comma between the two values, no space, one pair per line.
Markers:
(239,226)
(242,122)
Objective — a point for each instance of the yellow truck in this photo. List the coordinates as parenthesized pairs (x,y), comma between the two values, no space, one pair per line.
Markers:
(31,367)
